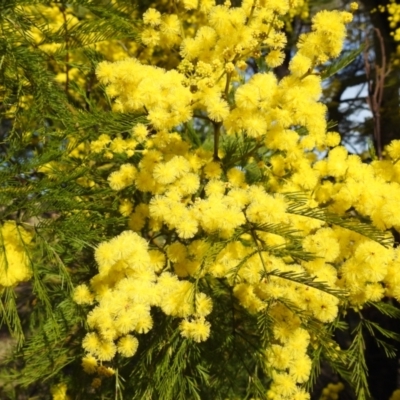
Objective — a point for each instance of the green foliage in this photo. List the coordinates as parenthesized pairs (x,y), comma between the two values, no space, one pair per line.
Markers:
(299,207)
(342,62)
(56,190)
(42,122)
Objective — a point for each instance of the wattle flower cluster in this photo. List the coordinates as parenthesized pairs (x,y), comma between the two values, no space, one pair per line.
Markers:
(15,265)
(199,215)
(129,283)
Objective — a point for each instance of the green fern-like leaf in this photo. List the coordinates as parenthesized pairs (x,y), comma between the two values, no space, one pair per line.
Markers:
(299,207)
(346,59)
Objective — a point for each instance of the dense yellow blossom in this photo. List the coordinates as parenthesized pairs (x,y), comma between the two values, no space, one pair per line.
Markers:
(89,364)
(198,329)
(59,392)
(127,345)
(197,217)
(82,295)
(15,264)
(331,391)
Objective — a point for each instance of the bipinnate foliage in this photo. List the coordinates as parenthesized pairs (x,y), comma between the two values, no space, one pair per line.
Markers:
(174,226)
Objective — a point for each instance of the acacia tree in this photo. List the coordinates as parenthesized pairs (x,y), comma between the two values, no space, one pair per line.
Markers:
(179,221)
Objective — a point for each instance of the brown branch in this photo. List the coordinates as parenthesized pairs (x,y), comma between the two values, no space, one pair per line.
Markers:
(375,89)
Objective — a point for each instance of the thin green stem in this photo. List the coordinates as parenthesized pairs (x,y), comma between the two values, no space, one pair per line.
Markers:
(228,81)
(253,234)
(217,131)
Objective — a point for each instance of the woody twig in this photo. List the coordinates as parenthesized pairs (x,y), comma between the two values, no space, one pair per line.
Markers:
(375,89)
